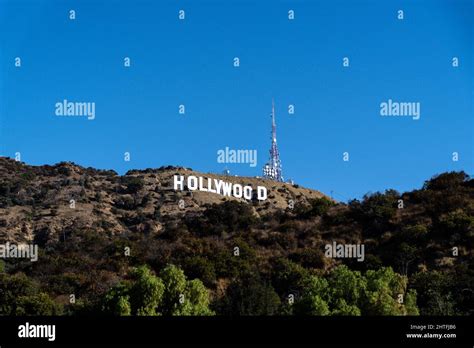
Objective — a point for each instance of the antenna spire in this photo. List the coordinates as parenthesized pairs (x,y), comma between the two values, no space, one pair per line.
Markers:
(273,121)
(272,169)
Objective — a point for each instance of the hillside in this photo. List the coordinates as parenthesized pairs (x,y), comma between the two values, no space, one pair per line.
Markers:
(126,234)
(36,200)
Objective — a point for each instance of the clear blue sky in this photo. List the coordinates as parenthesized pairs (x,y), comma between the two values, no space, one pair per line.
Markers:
(191,62)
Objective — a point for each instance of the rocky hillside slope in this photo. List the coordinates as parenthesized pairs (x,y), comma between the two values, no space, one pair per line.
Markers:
(44,202)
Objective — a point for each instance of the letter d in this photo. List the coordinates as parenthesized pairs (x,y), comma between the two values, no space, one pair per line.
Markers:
(261,193)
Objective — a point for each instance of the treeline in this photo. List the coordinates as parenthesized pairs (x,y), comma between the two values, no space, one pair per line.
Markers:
(341,292)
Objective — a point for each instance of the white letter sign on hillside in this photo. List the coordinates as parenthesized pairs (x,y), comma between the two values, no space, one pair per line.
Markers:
(218,186)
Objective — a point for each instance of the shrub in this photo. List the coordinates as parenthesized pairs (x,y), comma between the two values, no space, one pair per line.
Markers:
(133,184)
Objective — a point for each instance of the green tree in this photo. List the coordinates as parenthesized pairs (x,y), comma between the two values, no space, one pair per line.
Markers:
(38,304)
(435,292)
(250,295)
(146,292)
(341,307)
(385,293)
(312,305)
(174,282)
(347,285)
(117,300)
(288,276)
(314,300)
(410,303)
(13,287)
(347,292)
(202,268)
(182,296)
(20,295)
(196,300)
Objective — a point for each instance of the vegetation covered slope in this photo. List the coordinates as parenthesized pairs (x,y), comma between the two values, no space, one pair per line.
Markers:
(126,246)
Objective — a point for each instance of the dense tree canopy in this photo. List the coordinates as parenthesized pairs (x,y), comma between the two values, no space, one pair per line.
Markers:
(147,294)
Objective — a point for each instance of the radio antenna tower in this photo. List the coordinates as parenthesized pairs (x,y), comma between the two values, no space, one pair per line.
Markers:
(272,169)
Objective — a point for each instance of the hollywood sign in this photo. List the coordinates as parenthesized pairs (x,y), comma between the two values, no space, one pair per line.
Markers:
(220,187)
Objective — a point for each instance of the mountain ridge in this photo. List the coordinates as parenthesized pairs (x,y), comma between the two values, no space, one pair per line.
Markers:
(67,193)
